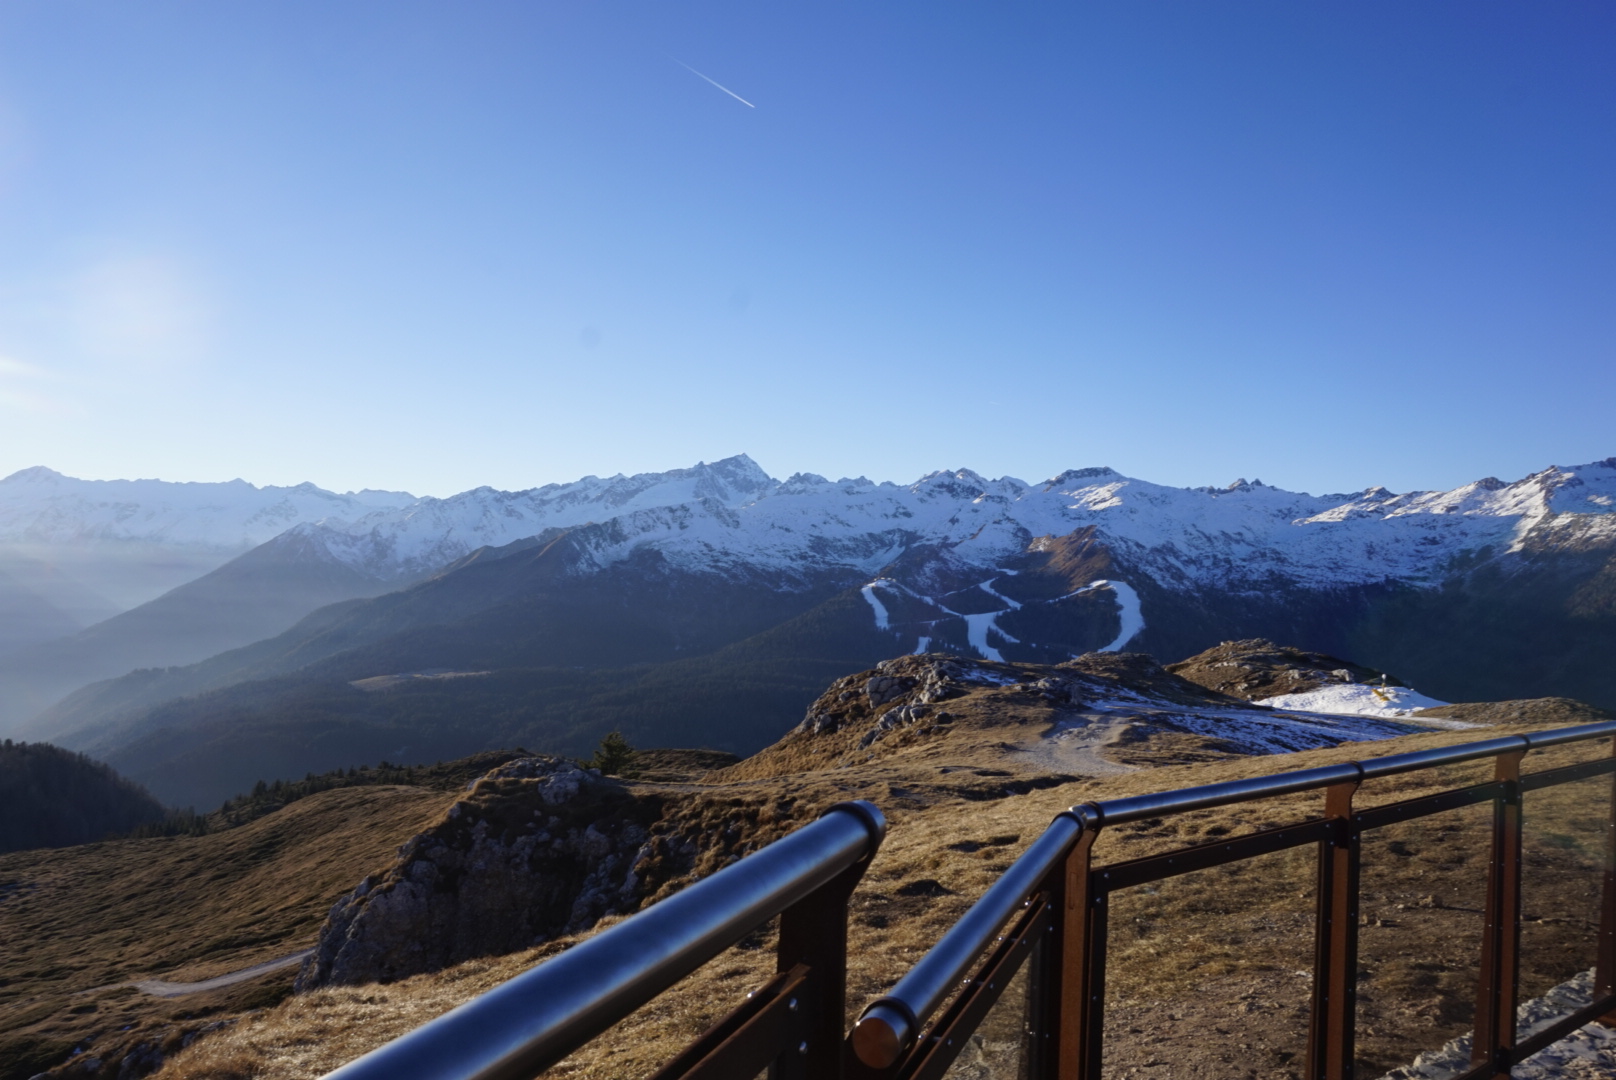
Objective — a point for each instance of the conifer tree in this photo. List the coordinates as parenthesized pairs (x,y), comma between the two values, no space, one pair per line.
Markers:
(613,756)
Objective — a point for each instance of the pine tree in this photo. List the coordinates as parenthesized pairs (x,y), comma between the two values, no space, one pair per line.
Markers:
(613,756)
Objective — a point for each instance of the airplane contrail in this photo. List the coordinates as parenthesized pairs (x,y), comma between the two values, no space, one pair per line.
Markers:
(720,85)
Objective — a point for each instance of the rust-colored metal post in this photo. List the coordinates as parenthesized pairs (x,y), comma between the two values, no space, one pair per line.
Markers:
(1335,950)
(1605,969)
(1082,967)
(1501,931)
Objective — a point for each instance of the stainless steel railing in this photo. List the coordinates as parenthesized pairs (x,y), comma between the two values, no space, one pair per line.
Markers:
(527,1024)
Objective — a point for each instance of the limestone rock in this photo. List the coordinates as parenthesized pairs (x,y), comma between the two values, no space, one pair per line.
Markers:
(538,847)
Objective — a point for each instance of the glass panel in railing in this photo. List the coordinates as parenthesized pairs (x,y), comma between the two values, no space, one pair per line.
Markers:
(1564,831)
(1423,891)
(1209,974)
(997,1049)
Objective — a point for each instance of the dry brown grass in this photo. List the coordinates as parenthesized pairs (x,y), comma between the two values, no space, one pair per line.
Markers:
(1216,950)
(180,908)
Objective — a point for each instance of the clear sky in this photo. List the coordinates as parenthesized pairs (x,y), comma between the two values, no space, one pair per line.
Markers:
(436,245)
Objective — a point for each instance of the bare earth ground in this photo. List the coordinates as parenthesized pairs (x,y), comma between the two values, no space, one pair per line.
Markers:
(1223,954)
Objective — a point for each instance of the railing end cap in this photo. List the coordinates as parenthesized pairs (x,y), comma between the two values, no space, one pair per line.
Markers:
(884,1032)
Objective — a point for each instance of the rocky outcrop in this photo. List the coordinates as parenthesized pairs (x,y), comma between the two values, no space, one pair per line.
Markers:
(918,681)
(1256,669)
(537,847)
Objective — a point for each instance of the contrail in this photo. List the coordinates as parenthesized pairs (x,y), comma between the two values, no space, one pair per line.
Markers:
(720,85)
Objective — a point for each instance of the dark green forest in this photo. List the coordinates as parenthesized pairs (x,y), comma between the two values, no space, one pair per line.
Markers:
(50,797)
(206,748)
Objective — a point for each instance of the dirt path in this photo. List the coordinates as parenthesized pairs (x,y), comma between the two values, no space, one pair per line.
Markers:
(1076,746)
(164,989)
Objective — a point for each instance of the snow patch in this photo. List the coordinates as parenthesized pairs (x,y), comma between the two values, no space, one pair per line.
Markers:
(1250,730)
(880,609)
(976,632)
(1357,699)
(987,587)
(1129,610)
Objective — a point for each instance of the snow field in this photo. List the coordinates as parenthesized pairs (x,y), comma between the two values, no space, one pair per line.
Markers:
(1356,699)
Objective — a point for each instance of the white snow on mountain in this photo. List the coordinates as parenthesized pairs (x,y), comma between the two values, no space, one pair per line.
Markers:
(979,625)
(431,533)
(882,621)
(1131,614)
(42,507)
(1243,730)
(731,517)
(1357,699)
(1248,536)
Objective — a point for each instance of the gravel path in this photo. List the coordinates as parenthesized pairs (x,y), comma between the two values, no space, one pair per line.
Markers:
(164,989)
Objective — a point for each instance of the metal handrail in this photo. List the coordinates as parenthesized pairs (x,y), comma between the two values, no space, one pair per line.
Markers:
(885,1026)
(888,1026)
(527,1024)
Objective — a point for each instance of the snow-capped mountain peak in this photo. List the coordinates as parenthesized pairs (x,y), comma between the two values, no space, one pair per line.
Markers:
(43,507)
(730,513)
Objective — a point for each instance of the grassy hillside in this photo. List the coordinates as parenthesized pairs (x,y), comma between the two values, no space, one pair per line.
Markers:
(1486,635)
(1217,950)
(180,908)
(963,796)
(552,659)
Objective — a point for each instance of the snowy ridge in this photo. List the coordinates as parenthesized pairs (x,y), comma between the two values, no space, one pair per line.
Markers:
(648,508)
(39,506)
(730,514)
(731,517)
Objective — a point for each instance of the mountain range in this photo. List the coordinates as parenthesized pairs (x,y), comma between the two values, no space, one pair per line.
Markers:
(709,605)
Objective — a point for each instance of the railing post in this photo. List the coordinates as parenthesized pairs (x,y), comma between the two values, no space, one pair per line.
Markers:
(1501,931)
(1045,988)
(1605,969)
(1335,950)
(813,933)
(1078,1049)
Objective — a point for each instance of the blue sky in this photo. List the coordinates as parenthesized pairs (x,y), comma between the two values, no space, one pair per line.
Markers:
(436,245)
